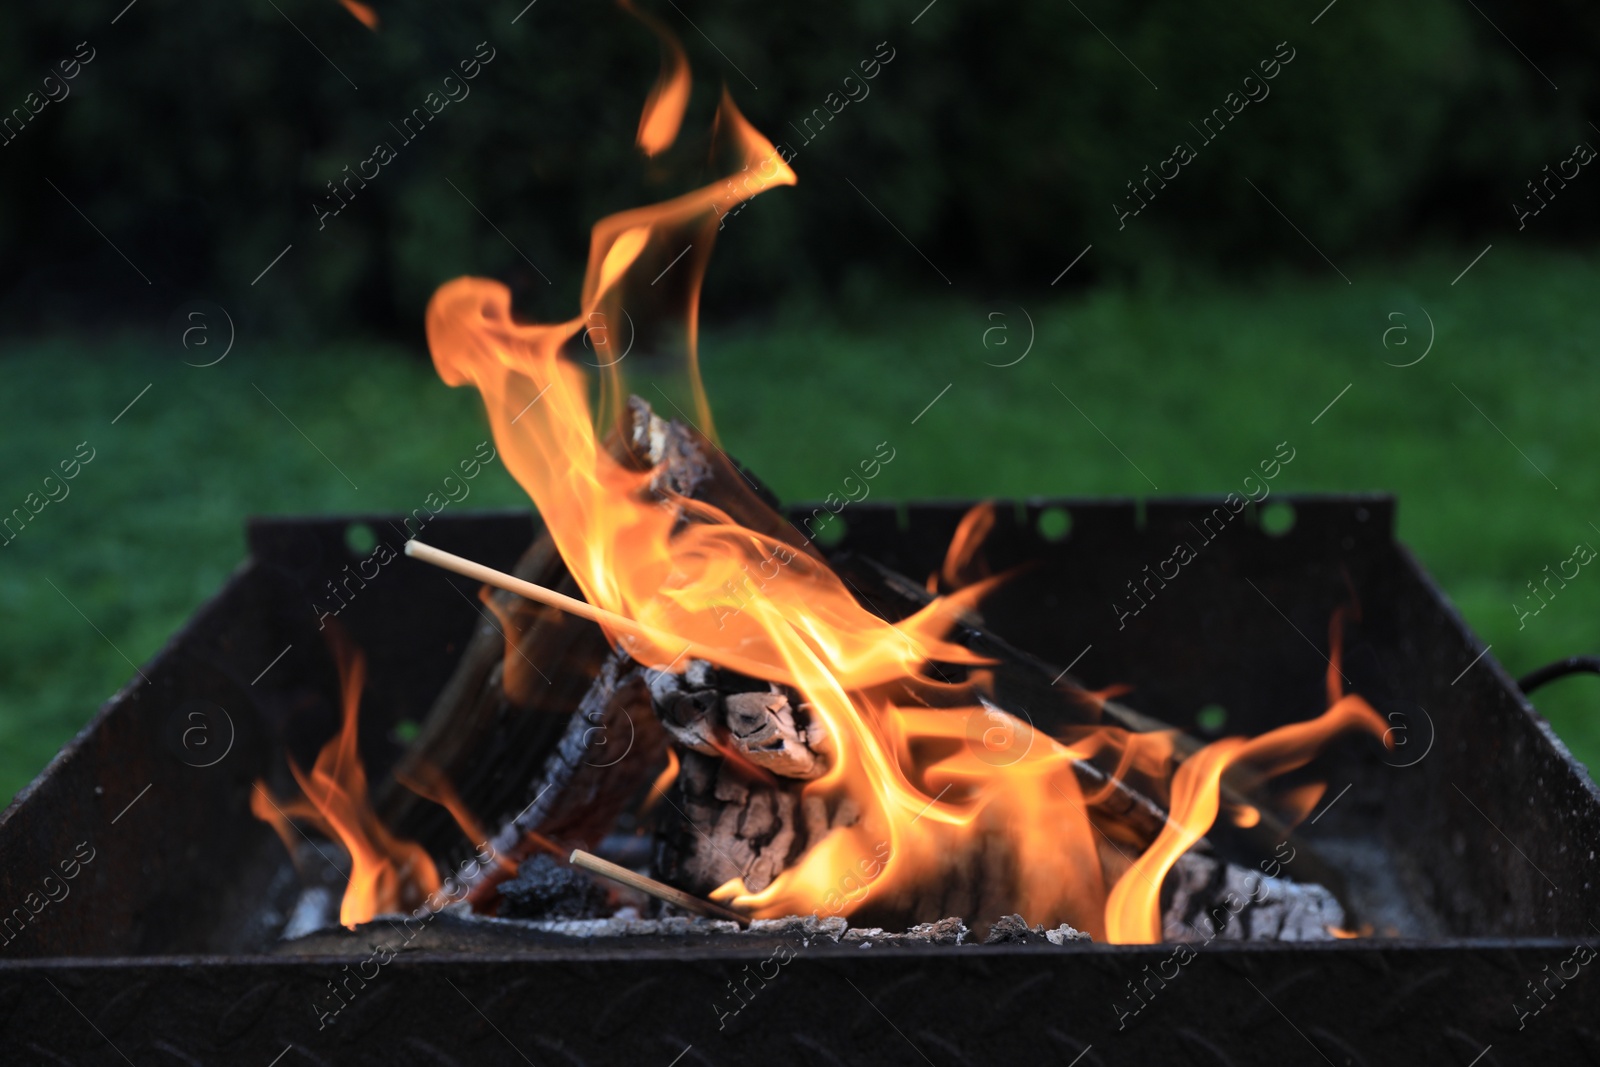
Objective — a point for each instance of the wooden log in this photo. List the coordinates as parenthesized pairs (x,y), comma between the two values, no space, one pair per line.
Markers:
(745,750)
(504,709)
(729,824)
(739,807)
(528,668)
(609,750)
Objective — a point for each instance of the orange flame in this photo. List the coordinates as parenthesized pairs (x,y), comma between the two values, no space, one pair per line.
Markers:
(960,556)
(364,14)
(387,874)
(429,783)
(669,97)
(1133,914)
(939,790)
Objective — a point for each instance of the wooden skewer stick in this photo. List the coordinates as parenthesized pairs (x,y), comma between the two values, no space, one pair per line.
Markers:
(659,890)
(620,624)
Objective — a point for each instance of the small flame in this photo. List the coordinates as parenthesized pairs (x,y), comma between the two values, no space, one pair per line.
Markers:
(387,874)
(663,782)
(364,14)
(1245,815)
(958,569)
(669,97)
(429,783)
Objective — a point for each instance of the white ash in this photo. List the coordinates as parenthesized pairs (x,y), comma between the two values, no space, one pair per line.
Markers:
(1062,934)
(951,931)
(316,909)
(1214,900)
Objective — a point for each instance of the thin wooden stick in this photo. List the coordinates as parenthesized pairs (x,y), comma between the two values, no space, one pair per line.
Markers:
(611,620)
(659,890)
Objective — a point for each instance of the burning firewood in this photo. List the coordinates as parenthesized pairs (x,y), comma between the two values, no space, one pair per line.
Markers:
(739,810)
(1055,699)
(741,813)
(740,820)
(577,757)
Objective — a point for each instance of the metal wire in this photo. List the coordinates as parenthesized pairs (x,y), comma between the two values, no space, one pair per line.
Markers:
(1559,669)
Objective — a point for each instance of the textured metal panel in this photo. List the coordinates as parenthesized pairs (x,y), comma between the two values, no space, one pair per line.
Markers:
(1231,1005)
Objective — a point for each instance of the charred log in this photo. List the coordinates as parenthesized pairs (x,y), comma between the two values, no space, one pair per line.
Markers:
(746,750)
(529,671)
(1215,900)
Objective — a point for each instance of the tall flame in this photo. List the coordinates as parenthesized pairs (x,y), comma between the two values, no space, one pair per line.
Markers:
(934,798)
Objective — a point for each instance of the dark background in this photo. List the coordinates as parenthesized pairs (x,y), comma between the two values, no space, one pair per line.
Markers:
(199,138)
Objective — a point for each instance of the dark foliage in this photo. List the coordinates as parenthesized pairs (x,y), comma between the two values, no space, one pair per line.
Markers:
(998,140)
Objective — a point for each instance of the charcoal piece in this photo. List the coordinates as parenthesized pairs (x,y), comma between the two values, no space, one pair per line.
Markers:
(1013,930)
(950,931)
(547,889)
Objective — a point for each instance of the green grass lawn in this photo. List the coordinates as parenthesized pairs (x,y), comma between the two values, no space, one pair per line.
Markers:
(1194,384)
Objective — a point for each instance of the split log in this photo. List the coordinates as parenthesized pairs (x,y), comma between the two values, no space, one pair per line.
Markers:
(496,720)
(746,750)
